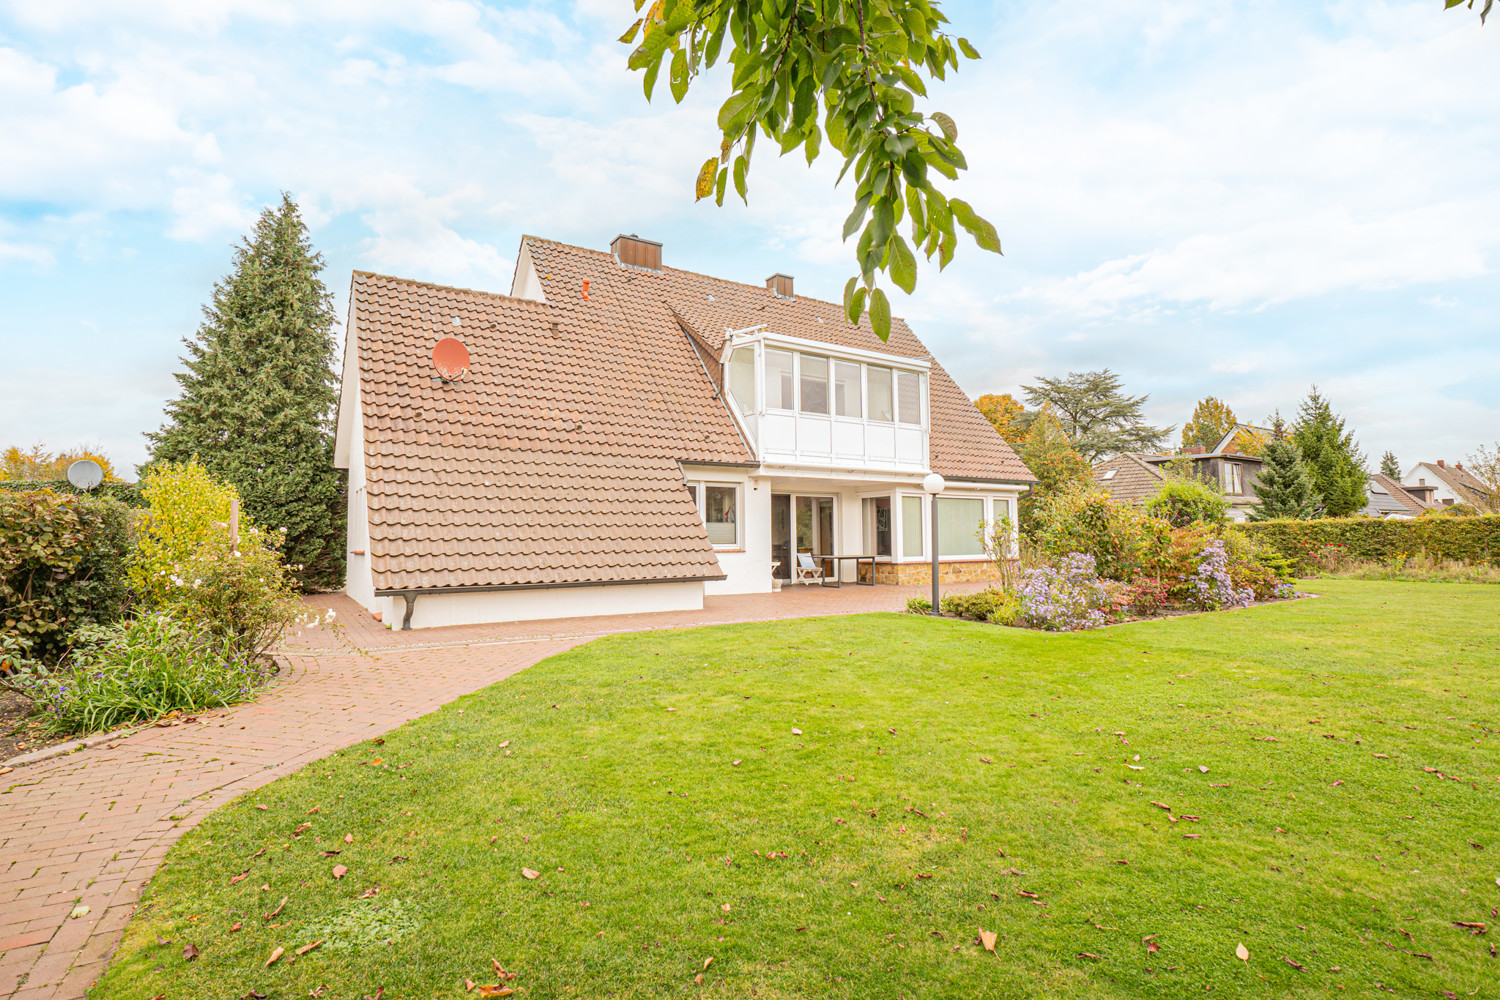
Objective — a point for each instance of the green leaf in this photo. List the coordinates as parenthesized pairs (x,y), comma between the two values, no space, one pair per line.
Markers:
(740,166)
(856,304)
(705,185)
(679,76)
(914,168)
(947,124)
(734,109)
(945,251)
(837,133)
(849,293)
(856,217)
(804,105)
(629,35)
(719,186)
(810,147)
(880,314)
(967,49)
(903,266)
(651,72)
(882,224)
(984,234)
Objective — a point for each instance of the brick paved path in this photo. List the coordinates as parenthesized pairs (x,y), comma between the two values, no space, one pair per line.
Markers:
(89,828)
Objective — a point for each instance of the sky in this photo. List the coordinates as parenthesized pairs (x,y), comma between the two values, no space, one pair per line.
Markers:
(1236,199)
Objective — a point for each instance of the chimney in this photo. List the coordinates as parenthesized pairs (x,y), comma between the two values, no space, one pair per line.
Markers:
(1195,449)
(1459,466)
(780,285)
(1441,464)
(632,251)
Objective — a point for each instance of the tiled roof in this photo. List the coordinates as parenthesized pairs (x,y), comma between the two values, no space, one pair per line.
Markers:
(1399,497)
(963,444)
(1458,481)
(1133,478)
(553,462)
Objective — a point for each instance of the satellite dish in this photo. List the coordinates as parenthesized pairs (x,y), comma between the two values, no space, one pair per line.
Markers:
(85,474)
(451,359)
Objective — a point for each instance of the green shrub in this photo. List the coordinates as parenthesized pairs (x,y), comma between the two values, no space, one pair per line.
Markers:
(918,606)
(1121,537)
(1474,540)
(62,566)
(1008,609)
(128,494)
(978,606)
(140,670)
(1181,502)
(187,509)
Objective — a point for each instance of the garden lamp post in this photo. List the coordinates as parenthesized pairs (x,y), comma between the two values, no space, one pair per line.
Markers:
(933,484)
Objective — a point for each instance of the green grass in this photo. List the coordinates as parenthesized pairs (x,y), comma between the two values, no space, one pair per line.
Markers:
(1322,838)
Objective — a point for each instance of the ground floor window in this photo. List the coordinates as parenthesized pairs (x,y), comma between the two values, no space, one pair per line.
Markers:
(911,528)
(719,505)
(877,511)
(959,519)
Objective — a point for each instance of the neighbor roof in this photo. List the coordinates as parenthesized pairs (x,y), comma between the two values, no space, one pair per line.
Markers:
(1132,479)
(1387,495)
(1459,481)
(556,461)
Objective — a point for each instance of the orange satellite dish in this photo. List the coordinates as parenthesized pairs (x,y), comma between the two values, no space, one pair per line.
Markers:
(451,359)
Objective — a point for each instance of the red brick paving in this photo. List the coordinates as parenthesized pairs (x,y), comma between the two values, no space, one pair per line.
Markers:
(89,828)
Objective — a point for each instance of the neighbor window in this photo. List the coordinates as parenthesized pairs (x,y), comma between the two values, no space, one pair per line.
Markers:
(742,378)
(814,384)
(958,526)
(846,389)
(781,391)
(909,397)
(718,504)
(877,526)
(911,527)
(880,394)
(1232,483)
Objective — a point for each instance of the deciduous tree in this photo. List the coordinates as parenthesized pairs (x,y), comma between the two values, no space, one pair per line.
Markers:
(1484,465)
(1332,457)
(258,394)
(1051,458)
(1096,415)
(1006,414)
(1484,11)
(39,464)
(845,72)
(1211,420)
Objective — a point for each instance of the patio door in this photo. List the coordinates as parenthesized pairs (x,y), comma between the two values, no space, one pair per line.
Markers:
(781,534)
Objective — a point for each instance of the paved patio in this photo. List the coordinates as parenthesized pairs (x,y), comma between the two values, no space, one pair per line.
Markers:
(88,829)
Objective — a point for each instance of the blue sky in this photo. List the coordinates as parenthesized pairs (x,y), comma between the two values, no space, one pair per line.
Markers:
(1234,199)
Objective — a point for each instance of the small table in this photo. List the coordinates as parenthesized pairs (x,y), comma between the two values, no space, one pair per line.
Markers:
(860,577)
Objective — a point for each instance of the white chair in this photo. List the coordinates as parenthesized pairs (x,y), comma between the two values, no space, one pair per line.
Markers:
(807,570)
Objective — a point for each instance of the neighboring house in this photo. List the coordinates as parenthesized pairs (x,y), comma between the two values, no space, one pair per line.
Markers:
(1449,484)
(1135,477)
(1387,498)
(631,437)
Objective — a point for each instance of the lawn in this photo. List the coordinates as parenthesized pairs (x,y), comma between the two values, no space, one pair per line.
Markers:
(1318,781)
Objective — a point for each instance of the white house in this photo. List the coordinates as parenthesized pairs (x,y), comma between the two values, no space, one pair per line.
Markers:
(1445,484)
(630,437)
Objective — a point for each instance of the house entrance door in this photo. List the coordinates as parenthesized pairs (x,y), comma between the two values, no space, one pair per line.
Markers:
(781,534)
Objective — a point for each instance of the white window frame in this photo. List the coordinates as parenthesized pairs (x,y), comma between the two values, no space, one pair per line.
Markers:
(699,489)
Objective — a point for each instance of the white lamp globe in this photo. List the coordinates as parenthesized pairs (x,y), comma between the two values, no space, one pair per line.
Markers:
(933,483)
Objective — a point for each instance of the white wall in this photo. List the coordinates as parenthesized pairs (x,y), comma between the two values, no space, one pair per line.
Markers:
(359,582)
(483,607)
(1442,493)
(747,566)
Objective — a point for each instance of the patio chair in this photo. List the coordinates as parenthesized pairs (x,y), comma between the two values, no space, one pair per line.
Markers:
(808,569)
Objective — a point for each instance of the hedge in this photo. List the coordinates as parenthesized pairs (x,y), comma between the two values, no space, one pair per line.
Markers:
(128,494)
(62,565)
(1464,539)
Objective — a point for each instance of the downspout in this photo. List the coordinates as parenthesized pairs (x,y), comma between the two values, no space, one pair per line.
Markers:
(411,605)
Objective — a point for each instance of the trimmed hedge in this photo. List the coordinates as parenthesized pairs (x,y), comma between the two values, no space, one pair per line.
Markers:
(128,494)
(1465,539)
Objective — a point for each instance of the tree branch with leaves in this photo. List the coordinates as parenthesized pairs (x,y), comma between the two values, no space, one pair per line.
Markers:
(845,72)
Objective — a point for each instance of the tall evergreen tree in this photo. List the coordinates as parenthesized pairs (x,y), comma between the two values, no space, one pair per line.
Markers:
(1285,487)
(1332,457)
(1096,415)
(1389,466)
(1211,420)
(258,394)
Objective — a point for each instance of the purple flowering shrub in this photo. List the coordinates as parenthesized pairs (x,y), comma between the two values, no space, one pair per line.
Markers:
(1211,585)
(1067,597)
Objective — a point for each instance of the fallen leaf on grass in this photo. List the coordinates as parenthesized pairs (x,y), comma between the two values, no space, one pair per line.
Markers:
(505,744)
(1296,965)
(796,732)
(1385,755)
(500,971)
(987,938)
(369,893)
(275,955)
(240,877)
(1471,926)
(262,807)
(339,871)
(1152,947)
(313,810)
(299,831)
(235,927)
(469,985)
(309,947)
(189,952)
(1088,954)
(528,873)
(1121,861)
(348,838)
(1162,805)
(1202,769)
(276,912)
(1242,953)
(495,991)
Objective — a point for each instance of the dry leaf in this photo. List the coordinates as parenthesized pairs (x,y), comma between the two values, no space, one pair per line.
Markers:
(707,962)
(469,985)
(1202,769)
(796,732)
(505,744)
(987,938)
(339,871)
(725,907)
(235,927)
(312,810)
(189,952)
(495,991)
(309,946)
(530,874)
(240,877)
(262,807)
(279,907)
(348,838)
(275,955)
(698,978)
(1242,953)
(1152,947)
(736,764)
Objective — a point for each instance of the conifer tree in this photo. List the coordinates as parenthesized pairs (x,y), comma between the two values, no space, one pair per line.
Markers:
(258,394)
(1389,466)
(1285,488)
(1332,458)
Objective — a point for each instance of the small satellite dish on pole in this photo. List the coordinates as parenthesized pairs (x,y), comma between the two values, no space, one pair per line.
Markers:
(85,474)
(451,359)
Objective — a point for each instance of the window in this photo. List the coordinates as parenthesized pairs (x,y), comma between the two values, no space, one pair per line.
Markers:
(958,526)
(878,526)
(880,394)
(814,384)
(846,389)
(781,392)
(909,397)
(1231,477)
(1109,474)
(911,527)
(742,378)
(718,504)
